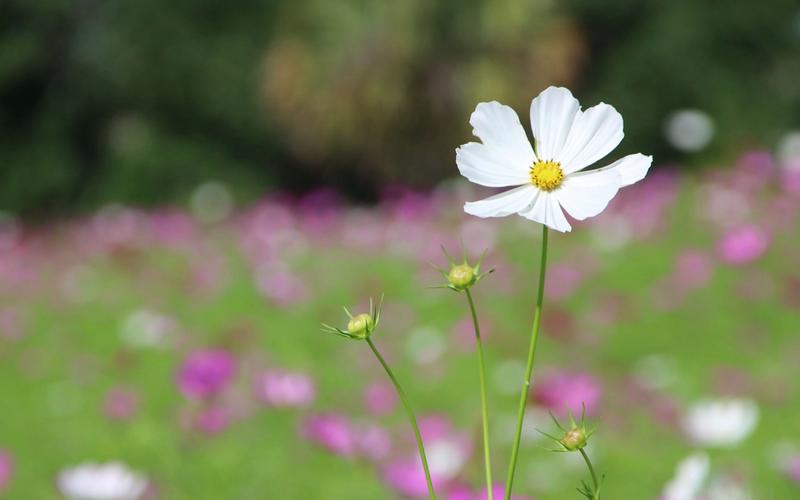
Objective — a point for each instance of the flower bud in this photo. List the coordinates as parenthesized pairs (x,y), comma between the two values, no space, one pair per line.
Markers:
(462,276)
(361,325)
(574,439)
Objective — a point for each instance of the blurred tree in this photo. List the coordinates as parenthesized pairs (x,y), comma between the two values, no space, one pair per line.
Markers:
(139,101)
(738,61)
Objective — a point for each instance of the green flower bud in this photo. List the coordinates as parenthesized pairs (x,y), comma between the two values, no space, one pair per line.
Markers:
(361,325)
(574,439)
(462,276)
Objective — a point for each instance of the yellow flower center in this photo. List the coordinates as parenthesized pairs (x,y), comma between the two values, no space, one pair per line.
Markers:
(547,175)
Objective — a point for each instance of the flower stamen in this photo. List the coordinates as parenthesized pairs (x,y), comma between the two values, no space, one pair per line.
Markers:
(546,175)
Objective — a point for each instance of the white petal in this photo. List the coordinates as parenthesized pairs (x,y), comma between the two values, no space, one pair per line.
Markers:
(499,129)
(552,114)
(586,194)
(546,210)
(505,203)
(631,168)
(595,133)
(483,166)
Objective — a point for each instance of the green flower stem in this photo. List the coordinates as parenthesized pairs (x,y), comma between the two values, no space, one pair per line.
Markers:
(411,417)
(596,495)
(523,397)
(484,407)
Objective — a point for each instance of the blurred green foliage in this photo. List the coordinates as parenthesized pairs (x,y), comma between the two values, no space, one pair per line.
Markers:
(140,101)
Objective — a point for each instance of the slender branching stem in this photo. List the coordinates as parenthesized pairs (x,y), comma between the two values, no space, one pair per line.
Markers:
(596,493)
(411,417)
(523,397)
(484,405)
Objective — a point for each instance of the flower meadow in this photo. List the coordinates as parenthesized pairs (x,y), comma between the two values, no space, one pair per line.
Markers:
(176,352)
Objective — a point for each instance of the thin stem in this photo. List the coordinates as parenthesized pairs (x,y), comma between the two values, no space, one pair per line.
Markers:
(411,417)
(484,407)
(523,397)
(596,495)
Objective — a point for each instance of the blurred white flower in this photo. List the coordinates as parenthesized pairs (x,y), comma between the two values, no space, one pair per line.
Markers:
(612,233)
(110,481)
(789,151)
(690,474)
(446,458)
(727,488)
(211,202)
(722,422)
(425,345)
(548,181)
(689,130)
(146,328)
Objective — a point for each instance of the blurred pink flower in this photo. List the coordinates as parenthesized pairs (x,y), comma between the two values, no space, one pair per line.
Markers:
(791,468)
(565,392)
(379,398)
(464,333)
(205,373)
(791,182)
(319,211)
(563,280)
(212,420)
(6,469)
(11,324)
(172,228)
(693,268)
(743,244)
(285,389)
(407,477)
(279,284)
(498,491)
(332,431)
(448,451)
(120,403)
(373,442)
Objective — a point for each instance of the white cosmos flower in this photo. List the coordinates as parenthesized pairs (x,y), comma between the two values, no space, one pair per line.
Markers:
(548,179)
(690,474)
(721,422)
(110,481)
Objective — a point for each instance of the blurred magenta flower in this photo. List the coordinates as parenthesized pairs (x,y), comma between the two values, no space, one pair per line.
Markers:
(205,373)
(564,392)
(448,451)
(379,398)
(332,431)
(406,476)
(120,403)
(285,389)
(6,469)
(743,244)
(172,228)
(498,491)
(212,420)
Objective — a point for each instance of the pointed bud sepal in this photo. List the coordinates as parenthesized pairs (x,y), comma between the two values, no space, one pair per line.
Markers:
(462,275)
(573,438)
(359,326)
